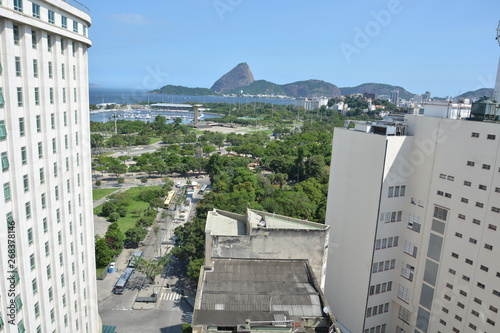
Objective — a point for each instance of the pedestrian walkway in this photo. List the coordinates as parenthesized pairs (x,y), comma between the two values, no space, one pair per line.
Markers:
(170,296)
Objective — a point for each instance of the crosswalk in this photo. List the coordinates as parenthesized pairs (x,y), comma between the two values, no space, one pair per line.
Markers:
(187,318)
(170,296)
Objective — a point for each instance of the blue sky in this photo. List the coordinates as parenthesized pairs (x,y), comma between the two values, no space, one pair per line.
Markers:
(442,46)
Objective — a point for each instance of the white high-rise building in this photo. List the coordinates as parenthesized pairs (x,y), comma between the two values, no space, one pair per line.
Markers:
(47,277)
(414,209)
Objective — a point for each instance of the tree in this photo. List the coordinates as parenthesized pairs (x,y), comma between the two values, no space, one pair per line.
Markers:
(117,169)
(103,254)
(114,237)
(151,267)
(144,180)
(136,234)
(120,180)
(193,269)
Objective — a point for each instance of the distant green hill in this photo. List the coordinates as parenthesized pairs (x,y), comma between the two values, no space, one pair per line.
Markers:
(376,88)
(180,90)
(311,88)
(488,92)
(261,87)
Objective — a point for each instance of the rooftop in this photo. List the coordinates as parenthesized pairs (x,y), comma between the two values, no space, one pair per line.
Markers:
(259,294)
(224,223)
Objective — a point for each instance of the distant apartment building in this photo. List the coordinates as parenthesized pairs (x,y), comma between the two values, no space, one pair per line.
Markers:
(46,199)
(311,103)
(426,96)
(447,109)
(394,97)
(414,208)
(262,272)
(369,96)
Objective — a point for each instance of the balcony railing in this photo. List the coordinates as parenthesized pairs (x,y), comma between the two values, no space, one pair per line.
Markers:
(78,5)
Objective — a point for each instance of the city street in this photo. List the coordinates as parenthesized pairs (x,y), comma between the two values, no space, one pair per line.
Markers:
(175,293)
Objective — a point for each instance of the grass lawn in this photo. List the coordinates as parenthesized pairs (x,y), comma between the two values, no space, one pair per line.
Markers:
(101,193)
(154,140)
(99,271)
(136,204)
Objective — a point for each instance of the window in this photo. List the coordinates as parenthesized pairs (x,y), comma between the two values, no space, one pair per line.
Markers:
(490,137)
(465,278)
(492,227)
(407,271)
(55,169)
(84,30)
(40,150)
(51,95)
(481,285)
(447,195)
(475,135)
(475,313)
(468,261)
(42,176)
(483,187)
(32,261)
(22,129)
(49,274)
(5,161)
(495,209)
(59,238)
(36,10)
(56,191)
(442,176)
(440,213)
(1,93)
(19,96)
(18,5)
(467,183)
(470,163)
(446,297)
(24,158)
(404,294)
(63,75)
(27,208)
(34,39)
(64,95)
(497,189)
(75,26)
(64,22)
(6,191)
(496,293)
(18,66)
(494,309)
(488,247)
(45,224)
(489,321)
(476,221)
(15,31)
(50,69)
(37,98)
(472,240)
(35,67)
(52,317)
(49,48)
(63,46)
(459,235)
(404,315)
(454,255)
(51,17)
(18,302)
(54,146)
(26,183)
(451,178)
(30,236)
(461,216)
(414,222)
(3,131)
(410,249)
(479,204)
(486,166)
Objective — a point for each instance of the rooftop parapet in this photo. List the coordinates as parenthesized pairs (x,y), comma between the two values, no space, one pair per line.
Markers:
(390,127)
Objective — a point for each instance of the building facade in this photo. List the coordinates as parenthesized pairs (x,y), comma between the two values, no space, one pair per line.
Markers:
(414,219)
(47,282)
